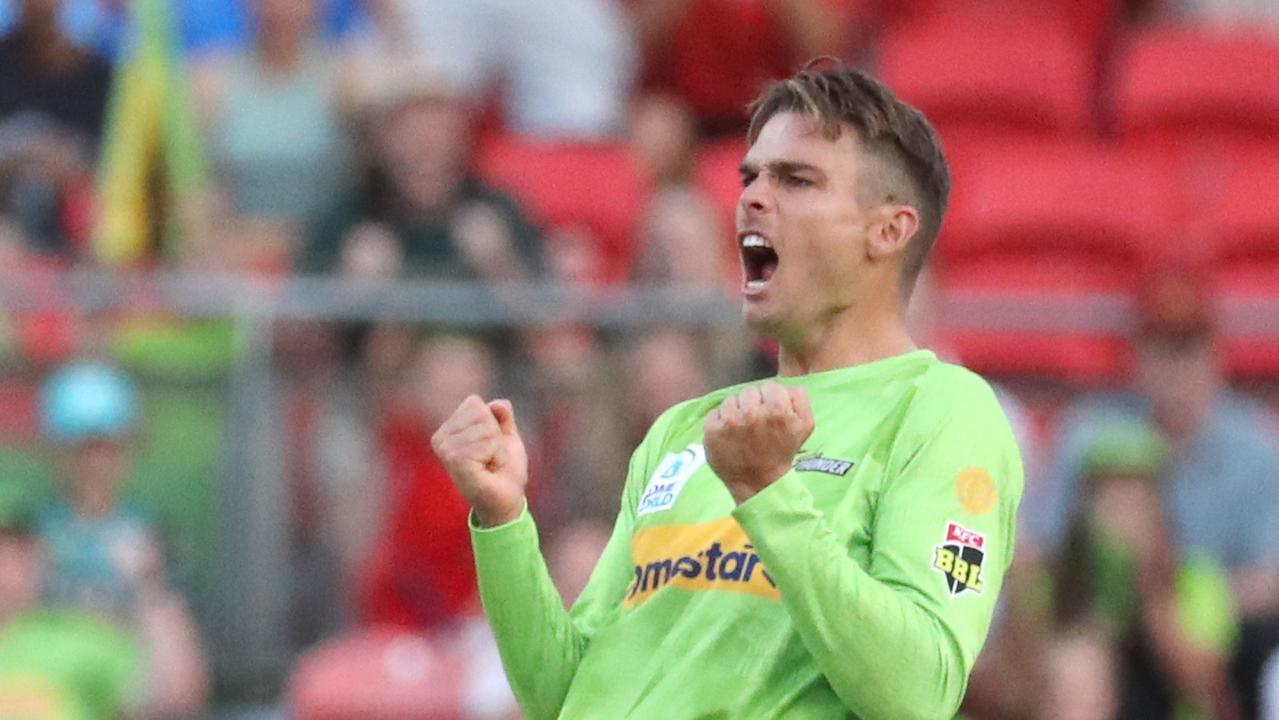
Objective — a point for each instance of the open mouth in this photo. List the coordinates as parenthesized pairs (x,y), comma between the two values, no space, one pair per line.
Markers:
(759,260)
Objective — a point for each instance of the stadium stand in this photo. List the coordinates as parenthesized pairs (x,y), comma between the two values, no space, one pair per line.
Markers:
(1179,89)
(1066,224)
(1246,261)
(716,173)
(1090,21)
(1088,151)
(956,68)
(592,185)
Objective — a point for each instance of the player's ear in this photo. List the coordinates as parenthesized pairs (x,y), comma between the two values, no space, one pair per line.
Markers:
(892,230)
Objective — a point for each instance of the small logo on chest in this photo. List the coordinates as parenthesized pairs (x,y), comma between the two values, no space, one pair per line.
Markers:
(817,463)
(669,478)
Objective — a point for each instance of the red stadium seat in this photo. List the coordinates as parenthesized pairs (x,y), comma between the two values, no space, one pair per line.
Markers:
(716,174)
(388,675)
(993,72)
(1250,307)
(1246,214)
(1245,217)
(596,186)
(1191,89)
(1047,239)
(1090,20)
(1070,199)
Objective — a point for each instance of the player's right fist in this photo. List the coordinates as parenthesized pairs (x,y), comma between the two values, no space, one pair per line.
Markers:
(482,450)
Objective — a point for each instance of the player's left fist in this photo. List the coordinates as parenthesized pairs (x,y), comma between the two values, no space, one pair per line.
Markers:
(753,436)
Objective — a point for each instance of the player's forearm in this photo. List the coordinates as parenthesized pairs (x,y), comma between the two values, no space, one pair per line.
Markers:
(539,644)
(884,655)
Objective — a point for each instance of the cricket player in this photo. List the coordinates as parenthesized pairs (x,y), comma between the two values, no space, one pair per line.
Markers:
(826,544)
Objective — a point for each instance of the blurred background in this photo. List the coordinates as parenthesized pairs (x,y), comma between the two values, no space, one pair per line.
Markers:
(252,252)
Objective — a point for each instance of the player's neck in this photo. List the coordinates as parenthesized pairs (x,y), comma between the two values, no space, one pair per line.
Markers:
(845,340)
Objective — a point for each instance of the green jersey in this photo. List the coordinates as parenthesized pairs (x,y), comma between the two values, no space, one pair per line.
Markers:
(66,665)
(859,584)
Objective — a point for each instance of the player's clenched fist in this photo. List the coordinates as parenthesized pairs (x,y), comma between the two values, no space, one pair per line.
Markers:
(482,449)
(753,436)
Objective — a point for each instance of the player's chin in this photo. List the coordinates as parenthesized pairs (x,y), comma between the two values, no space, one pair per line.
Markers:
(761,318)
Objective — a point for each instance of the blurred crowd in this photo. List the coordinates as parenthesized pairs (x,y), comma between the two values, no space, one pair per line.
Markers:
(585,144)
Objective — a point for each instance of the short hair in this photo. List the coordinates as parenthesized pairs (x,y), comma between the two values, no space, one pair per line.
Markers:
(896,133)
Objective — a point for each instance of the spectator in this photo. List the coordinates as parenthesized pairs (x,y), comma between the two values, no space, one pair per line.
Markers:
(276,116)
(421,573)
(43,72)
(53,97)
(1166,614)
(1082,680)
(57,663)
(423,189)
(570,378)
(663,137)
(565,66)
(716,54)
(203,26)
(683,243)
(349,466)
(1220,492)
(102,551)
(103,557)
(665,368)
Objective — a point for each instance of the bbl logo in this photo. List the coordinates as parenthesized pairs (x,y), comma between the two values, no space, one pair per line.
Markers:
(959,558)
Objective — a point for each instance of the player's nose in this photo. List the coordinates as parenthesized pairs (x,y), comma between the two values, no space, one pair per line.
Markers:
(755,198)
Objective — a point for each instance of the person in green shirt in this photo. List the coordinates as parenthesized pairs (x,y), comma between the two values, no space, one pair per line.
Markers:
(1165,614)
(826,544)
(89,626)
(57,663)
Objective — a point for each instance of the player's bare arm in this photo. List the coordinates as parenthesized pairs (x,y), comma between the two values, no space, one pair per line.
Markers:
(482,449)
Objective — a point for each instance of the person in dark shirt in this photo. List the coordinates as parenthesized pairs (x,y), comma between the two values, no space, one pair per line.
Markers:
(53,97)
(422,189)
(42,71)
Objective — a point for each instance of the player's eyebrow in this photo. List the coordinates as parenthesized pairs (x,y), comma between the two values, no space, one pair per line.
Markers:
(780,168)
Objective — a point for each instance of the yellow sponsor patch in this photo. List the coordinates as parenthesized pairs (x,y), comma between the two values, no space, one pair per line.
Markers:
(708,556)
(976,491)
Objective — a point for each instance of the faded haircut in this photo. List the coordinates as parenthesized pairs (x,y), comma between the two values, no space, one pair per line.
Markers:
(908,167)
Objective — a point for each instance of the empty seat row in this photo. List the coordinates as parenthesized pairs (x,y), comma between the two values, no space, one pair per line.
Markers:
(997,71)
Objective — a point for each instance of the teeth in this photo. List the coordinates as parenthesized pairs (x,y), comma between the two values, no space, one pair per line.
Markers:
(755,241)
(756,284)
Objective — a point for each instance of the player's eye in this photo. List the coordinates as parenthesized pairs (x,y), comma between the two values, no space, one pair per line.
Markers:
(796,181)
(748,178)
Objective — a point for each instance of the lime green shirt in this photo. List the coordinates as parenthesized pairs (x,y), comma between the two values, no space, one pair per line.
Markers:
(860,583)
(66,665)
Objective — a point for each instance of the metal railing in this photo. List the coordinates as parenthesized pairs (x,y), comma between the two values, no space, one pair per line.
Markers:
(247,616)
